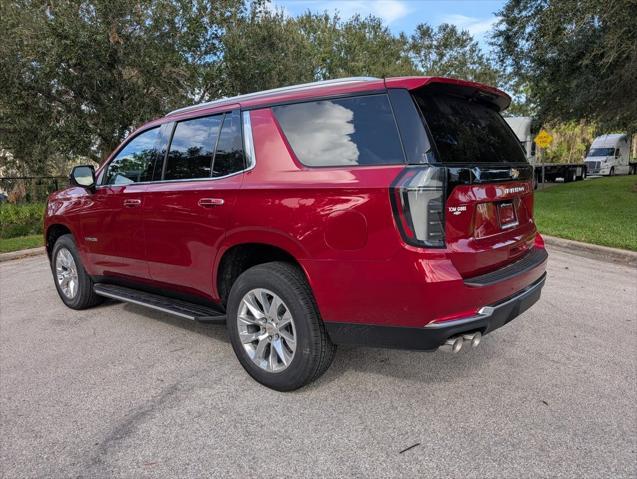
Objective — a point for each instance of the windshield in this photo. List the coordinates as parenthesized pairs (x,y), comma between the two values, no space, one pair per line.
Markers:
(466,131)
(601,152)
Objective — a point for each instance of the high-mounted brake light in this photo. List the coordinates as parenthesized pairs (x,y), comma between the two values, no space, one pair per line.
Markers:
(417,198)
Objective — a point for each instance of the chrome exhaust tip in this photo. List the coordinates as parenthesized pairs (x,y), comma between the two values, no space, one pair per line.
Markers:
(453,345)
(473,338)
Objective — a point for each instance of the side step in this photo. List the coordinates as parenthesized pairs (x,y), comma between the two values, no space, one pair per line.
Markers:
(177,307)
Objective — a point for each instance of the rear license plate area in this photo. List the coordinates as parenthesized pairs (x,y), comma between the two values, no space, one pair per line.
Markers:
(507,215)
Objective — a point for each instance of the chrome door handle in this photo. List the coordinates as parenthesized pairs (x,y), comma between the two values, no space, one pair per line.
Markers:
(132,203)
(210,202)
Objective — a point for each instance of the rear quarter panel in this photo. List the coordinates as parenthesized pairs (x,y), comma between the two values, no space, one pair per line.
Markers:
(322,216)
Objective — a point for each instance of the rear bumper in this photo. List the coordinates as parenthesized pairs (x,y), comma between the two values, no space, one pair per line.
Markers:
(433,335)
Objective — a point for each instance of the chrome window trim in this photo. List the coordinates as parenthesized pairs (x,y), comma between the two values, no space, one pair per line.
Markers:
(248,142)
(181,180)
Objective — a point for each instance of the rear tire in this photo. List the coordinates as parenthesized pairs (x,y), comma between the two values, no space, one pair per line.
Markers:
(72,282)
(582,176)
(313,351)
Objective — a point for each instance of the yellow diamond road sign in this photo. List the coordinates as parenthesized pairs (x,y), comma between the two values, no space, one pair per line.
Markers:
(543,139)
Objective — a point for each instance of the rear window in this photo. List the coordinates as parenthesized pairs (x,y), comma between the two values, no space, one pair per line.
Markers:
(342,132)
(468,132)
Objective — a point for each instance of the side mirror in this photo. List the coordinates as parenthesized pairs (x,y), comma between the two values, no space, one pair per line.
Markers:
(83,176)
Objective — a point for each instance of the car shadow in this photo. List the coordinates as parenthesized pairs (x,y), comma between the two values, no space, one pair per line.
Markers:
(419,366)
(427,367)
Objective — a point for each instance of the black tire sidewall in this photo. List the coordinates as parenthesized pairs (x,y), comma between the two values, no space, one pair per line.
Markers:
(304,363)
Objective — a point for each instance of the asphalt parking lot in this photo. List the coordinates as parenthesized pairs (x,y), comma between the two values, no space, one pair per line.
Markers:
(120,391)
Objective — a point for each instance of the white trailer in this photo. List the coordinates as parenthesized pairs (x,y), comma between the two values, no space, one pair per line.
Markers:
(544,172)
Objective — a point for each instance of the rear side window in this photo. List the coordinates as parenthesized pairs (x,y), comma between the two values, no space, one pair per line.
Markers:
(342,132)
(192,148)
(136,161)
(468,132)
(229,154)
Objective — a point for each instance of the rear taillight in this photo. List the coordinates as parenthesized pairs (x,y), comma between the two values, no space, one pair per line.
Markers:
(418,202)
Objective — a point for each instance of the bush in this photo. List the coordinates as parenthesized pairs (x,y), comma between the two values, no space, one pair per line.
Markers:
(21,220)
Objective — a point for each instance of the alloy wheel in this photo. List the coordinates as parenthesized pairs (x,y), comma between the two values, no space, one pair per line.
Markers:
(266,330)
(66,273)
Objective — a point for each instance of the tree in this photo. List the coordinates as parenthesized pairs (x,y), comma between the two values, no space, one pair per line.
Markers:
(77,76)
(577,59)
(360,46)
(264,49)
(447,51)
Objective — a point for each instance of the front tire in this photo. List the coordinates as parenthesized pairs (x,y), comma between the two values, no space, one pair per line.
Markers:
(276,329)
(72,282)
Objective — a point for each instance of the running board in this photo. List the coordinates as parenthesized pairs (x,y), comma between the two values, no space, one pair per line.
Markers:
(183,309)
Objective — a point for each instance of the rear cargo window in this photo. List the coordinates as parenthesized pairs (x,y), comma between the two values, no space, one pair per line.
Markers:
(468,132)
(342,132)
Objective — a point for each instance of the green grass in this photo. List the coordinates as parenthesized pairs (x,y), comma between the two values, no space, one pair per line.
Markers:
(22,242)
(601,211)
(21,220)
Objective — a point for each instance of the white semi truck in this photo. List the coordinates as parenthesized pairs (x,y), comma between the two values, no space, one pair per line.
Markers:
(608,155)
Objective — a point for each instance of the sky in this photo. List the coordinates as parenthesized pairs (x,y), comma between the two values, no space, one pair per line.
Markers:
(476,16)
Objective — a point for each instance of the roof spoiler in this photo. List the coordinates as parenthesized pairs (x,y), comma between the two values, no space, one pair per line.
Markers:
(467,89)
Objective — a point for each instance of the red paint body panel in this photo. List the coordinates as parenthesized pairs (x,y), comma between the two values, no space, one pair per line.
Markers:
(473,256)
(182,236)
(337,222)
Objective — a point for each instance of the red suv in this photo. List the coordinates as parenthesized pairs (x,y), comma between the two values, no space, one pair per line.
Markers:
(383,212)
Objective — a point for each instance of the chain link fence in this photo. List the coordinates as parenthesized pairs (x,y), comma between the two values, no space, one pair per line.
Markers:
(29,189)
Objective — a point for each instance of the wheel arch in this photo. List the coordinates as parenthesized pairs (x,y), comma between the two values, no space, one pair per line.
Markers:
(236,258)
(52,233)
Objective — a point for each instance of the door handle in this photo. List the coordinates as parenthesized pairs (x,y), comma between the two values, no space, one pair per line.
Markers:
(132,203)
(210,202)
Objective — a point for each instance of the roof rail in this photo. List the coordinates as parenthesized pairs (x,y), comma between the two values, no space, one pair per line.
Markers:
(264,93)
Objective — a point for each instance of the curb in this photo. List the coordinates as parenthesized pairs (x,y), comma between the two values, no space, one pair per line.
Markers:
(594,251)
(25,253)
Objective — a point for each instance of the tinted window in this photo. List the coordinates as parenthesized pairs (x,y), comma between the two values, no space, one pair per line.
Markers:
(469,132)
(229,154)
(342,132)
(192,148)
(412,130)
(136,161)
